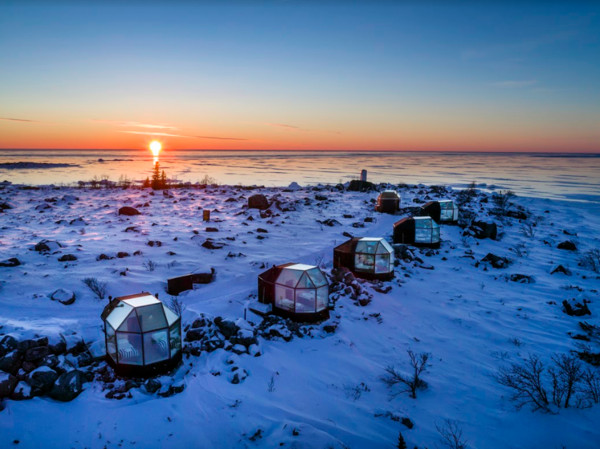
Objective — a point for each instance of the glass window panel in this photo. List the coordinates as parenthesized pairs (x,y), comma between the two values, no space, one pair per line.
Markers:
(129,347)
(118,314)
(421,224)
(142,301)
(364,262)
(175,338)
(305,300)
(289,277)
(382,263)
(156,347)
(151,317)
(111,342)
(305,282)
(422,235)
(368,247)
(387,246)
(322,298)
(317,277)
(435,235)
(284,297)
(130,324)
(171,316)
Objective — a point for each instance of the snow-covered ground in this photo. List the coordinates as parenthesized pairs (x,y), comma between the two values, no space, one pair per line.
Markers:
(313,392)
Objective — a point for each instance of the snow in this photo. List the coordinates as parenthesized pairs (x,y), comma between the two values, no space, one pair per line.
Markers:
(324,391)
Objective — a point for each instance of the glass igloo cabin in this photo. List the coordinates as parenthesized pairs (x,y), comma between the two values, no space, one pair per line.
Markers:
(142,335)
(296,291)
(388,201)
(417,231)
(366,257)
(442,211)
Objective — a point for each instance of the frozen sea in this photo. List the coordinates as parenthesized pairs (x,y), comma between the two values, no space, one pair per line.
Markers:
(565,176)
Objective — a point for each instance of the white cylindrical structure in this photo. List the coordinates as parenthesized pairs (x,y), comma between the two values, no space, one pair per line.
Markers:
(363,175)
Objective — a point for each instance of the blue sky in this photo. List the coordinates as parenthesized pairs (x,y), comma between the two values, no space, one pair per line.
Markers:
(382,75)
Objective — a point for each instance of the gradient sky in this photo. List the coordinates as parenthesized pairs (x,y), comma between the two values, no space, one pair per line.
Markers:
(290,75)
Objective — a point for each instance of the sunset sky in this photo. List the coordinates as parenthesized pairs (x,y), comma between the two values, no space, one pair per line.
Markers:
(291,75)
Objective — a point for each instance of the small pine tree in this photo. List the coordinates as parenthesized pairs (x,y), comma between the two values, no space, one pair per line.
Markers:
(163,180)
(146,183)
(401,442)
(156,177)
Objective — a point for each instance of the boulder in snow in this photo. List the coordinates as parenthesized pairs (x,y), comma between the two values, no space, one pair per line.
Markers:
(258,201)
(68,386)
(10,263)
(66,297)
(129,211)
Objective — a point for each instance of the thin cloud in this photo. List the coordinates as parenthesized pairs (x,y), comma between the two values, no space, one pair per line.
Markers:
(154,133)
(514,84)
(283,125)
(219,138)
(136,124)
(11,119)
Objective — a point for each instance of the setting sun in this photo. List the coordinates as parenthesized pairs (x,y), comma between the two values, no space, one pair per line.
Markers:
(155,147)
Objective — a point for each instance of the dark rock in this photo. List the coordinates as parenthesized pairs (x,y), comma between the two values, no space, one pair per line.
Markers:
(103,257)
(198,322)
(78,348)
(496,261)
(46,246)
(407,422)
(122,254)
(360,186)
(67,258)
(329,328)
(59,348)
(521,278)
(211,244)
(561,269)
(24,345)
(11,362)
(262,230)
(227,328)
(518,214)
(129,211)
(42,380)
(22,392)
(5,206)
(63,296)
(194,335)
(483,230)
(7,344)
(347,234)
(329,222)
(9,263)
(368,220)
(358,225)
(576,309)
(8,383)
(68,386)
(153,243)
(152,385)
(258,201)
(568,245)
(210,229)
(37,353)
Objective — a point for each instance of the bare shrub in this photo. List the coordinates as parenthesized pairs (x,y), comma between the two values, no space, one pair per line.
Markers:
(355,391)
(528,229)
(451,434)
(271,384)
(97,287)
(563,384)
(591,260)
(503,200)
(177,305)
(413,382)
(149,265)
(208,180)
(466,195)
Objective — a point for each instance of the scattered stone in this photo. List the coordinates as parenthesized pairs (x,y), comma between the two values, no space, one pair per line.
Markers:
(258,201)
(122,254)
(561,269)
(521,278)
(66,297)
(152,385)
(154,243)
(211,244)
(67,258)
(496,261)
(11,362)
(329,222)
(68,386)
(47,246)
(103,257)
(7,344)
(576,309)
(211,229)
(42,380)
(8,382)
(129,211)
(483,230)
(10,263)
(21,392)
(567,245)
